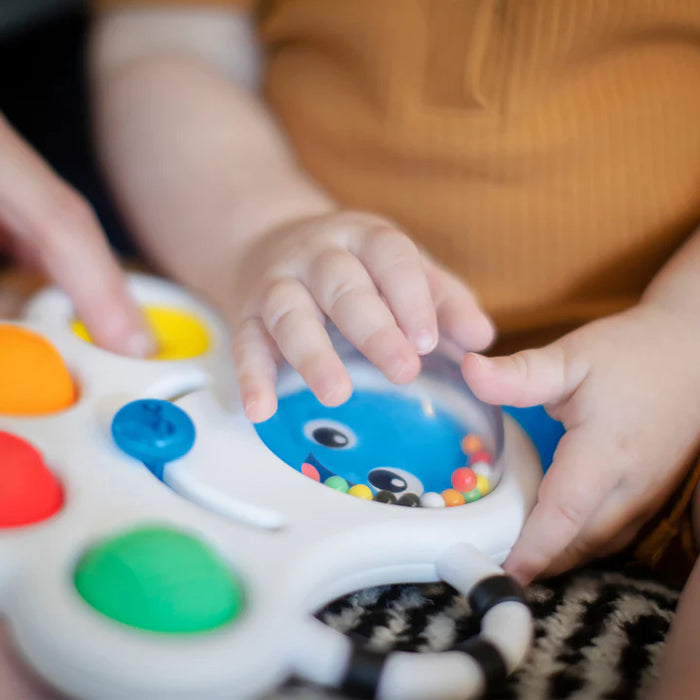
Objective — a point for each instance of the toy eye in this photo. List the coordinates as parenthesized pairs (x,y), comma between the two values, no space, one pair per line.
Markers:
(395,480)
(330,433)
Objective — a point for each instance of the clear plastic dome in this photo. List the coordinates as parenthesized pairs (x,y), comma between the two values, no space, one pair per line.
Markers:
(430,443)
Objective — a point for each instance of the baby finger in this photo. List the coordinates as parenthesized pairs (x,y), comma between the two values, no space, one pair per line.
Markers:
(293,319)
(346,293)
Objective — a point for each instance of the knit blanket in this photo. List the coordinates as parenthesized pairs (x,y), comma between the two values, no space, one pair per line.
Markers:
(598,632)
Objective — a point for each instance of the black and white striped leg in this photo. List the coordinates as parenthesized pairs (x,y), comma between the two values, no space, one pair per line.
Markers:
(466,671)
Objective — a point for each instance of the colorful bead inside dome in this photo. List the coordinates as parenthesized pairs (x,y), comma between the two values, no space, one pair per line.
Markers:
(398,445)
(382,446)
(467,485)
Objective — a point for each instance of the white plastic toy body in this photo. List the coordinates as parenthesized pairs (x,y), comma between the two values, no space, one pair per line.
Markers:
(292,543)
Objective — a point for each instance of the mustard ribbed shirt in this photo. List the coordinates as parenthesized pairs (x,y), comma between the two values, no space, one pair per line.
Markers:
(546,150)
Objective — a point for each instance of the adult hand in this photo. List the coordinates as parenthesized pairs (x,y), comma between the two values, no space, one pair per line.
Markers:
(46,223)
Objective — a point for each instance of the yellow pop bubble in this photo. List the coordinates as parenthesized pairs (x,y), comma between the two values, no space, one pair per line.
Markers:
(179,334)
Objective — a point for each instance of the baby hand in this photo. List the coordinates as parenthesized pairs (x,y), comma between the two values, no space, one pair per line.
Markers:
(369,279)
(627,390)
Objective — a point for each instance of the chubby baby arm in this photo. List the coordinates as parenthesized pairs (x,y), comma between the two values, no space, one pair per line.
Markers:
(216,198)
(626,388)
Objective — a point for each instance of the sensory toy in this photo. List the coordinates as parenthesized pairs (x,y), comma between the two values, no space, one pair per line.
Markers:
(155,543)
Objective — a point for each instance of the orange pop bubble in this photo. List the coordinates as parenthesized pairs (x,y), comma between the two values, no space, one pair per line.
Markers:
(34,379)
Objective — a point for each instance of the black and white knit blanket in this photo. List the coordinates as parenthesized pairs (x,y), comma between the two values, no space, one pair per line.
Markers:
(598,632)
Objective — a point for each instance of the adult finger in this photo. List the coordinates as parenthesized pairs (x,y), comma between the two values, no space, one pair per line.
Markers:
(346,293)
(458,312)
(394,263)
(293,319)
(48,217)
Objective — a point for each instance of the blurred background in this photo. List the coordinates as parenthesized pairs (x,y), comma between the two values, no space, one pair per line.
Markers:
(16,14)
(43,93)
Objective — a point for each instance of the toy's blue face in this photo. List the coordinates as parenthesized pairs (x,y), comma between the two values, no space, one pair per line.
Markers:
(388,441)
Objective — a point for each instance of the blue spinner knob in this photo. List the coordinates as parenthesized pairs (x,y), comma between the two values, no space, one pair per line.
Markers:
(153,431)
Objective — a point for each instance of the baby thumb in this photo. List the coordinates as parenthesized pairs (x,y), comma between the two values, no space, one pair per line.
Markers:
(526,378)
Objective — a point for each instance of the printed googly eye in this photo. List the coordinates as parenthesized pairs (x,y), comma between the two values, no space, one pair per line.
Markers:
(396,480)
(330,433)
